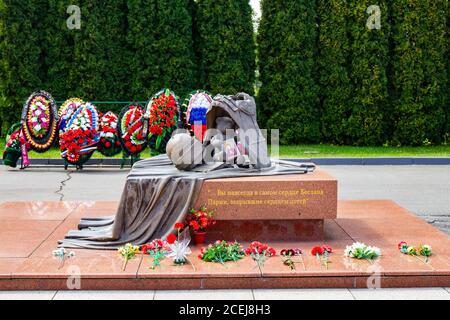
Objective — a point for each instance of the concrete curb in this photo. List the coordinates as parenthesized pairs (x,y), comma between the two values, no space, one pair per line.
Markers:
(394,161)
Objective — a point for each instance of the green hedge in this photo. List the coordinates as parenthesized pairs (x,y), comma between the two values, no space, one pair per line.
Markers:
(333,75)
(288,97)
(21,70)
(325,77)
(419,71)
(225,46)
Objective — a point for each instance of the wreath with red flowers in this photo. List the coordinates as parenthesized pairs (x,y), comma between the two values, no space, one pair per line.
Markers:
(163,111)
(79,138)
(14,142)
(131,127)
(109,144)
(194,109)
(40,121)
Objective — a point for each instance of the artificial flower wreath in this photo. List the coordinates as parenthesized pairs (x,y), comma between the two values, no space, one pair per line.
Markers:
(78,140)
(163,114)
(131,124)
(194,109)
(109,144)
(40,121)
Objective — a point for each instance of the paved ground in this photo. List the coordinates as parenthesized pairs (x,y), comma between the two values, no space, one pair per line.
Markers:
(259,294)
(424,190)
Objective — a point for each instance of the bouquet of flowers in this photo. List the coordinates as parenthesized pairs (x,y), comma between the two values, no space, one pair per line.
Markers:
(109,144)
(423,250)
(287,256)
(194,109)
(157,249)
(200,220)
(260,252)
(127,252)
(40,121)
(222,251)
(179,245)
(322,254)
(62,255)
(131,131)
(360,250)
(162,110)
(80,136)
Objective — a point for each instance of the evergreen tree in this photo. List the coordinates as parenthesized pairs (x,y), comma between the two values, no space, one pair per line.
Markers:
(161,43)
(101,72)
(286,47)
(332,70)
(58,50)
(20,55)
(368,123)
(419,71)
(226,46)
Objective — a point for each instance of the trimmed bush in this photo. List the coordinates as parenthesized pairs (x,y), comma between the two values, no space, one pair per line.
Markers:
(369,122)
(100,71)
(225,46)
(288,97)
(20,55)
(161,47)
(333,70)
(419,78)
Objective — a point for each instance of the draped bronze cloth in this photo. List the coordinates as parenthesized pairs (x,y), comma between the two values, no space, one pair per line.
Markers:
(156,195)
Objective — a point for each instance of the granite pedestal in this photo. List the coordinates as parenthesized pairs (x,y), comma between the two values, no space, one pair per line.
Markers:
(271,208)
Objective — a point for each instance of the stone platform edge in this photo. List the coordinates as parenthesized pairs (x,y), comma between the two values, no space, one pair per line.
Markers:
(192,283)
(382,161)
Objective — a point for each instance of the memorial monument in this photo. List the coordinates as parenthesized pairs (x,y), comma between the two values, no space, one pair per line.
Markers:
(230,171)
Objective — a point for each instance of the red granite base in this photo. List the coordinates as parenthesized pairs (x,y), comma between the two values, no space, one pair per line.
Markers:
(267,230)
(29,232)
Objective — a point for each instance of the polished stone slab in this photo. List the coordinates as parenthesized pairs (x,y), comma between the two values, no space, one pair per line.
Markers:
(279,197)
(29,265)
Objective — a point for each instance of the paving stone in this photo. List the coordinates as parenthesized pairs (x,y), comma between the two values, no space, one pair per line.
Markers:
(105,295)
(302,294)
(204,295)
(27,295)
(401,294)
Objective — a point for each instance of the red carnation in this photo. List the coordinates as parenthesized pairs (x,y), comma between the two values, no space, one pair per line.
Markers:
(171,238)
(179,225)
(327,248)
(108,144)
(317,251)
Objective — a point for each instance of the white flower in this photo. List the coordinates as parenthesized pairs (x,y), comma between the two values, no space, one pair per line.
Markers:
(37,127)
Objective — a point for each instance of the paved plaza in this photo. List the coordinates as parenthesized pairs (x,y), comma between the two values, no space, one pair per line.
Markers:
(424,190)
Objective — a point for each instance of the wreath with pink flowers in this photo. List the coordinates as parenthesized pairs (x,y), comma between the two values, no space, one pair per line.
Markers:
(40,121)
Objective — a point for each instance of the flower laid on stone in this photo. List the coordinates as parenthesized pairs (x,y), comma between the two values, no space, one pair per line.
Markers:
(62,255)
(360,250)
(322,254)
(424,250)
(222,251)
(179,245)
(157,249)
(260,252)
(127,252)
(287,256)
